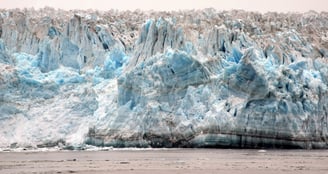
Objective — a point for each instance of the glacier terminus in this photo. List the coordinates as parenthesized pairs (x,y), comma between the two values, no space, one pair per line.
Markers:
(193,78)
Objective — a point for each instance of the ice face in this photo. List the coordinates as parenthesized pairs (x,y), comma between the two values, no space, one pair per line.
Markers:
(179,79)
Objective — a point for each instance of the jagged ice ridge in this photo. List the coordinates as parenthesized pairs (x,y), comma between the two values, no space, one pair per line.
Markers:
(163,79)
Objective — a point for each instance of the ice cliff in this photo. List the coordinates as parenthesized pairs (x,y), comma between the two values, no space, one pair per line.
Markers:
(163,79)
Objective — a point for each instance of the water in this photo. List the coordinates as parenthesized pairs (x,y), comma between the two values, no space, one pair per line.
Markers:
(191,161)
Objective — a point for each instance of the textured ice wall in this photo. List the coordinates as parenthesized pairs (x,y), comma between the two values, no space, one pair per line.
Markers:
(178,79)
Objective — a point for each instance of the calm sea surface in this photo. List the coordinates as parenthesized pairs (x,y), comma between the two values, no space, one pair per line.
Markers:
(165,161)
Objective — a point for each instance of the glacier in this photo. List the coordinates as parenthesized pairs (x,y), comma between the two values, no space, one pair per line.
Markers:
(193,78)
